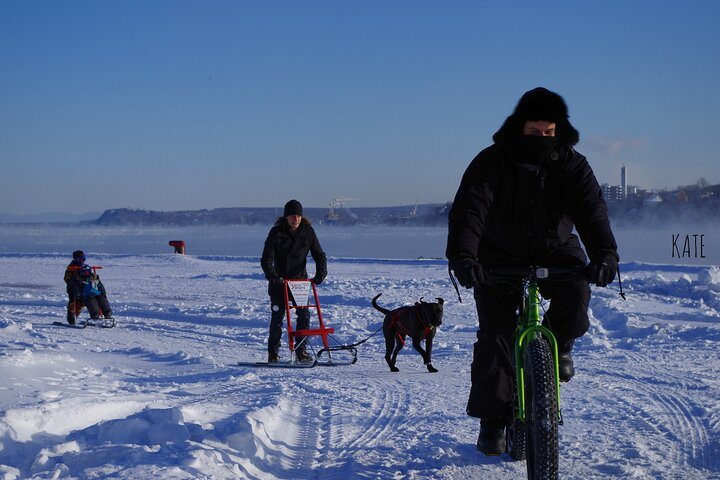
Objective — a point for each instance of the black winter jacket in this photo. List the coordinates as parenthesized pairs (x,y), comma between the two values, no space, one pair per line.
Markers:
(509,212)
(285,253)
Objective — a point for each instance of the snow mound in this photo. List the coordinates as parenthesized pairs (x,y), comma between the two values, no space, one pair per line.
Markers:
(710,277)
(152,426)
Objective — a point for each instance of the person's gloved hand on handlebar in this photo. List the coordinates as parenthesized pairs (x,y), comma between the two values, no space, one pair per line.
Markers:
(602,268)
(468,272)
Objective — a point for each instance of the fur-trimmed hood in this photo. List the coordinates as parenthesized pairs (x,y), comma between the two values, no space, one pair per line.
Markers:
(539,104)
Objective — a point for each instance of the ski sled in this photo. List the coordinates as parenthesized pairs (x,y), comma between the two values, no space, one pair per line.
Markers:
(280,364)
(297,295)
(102,322)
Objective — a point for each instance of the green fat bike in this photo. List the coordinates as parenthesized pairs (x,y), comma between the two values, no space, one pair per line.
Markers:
(532,432)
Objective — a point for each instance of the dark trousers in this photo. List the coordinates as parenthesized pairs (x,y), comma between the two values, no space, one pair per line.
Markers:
(74,305)
(97,305)
(277,302)
(492,371)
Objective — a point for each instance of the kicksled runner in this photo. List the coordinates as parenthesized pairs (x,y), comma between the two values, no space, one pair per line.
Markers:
(298,295)
(102,322)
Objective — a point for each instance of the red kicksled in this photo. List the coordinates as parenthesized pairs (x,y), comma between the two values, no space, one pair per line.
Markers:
(297,288)
(298,295)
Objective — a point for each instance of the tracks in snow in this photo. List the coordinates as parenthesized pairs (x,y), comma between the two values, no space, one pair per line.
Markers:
(324,433)
(665,400)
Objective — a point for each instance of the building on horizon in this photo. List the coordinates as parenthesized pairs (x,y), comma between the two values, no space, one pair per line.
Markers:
(624,182)
(612,192)
(624,191)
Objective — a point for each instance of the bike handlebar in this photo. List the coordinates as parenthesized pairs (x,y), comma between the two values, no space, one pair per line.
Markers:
(536,272)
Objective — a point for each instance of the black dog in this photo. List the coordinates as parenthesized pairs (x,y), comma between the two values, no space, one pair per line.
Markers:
(419,321)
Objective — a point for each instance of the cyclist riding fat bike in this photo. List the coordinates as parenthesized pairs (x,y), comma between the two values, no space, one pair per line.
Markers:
(517,204)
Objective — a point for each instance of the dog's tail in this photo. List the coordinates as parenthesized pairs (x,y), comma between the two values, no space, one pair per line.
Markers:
(378,307)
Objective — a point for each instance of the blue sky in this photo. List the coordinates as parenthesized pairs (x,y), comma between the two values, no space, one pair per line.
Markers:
(169,105)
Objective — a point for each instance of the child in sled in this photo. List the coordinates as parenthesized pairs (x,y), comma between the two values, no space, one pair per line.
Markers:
(93,293)
(85,289)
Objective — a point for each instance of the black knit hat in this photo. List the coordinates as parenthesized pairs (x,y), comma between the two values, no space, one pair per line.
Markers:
(536,105)
(293,207)
(77,254)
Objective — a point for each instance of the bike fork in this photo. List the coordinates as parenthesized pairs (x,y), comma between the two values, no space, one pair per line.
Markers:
(529,333)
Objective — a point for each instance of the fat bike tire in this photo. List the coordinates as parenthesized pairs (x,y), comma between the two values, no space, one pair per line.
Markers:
(541,407)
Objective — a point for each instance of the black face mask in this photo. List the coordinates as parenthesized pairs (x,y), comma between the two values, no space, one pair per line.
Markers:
(536,149)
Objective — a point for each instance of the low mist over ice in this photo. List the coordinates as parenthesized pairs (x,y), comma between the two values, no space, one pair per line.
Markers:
(673,243)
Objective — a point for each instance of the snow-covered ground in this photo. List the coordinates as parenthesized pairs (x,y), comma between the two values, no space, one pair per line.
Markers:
(161,396)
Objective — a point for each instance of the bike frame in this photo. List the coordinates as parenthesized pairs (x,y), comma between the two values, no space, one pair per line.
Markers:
(530,327)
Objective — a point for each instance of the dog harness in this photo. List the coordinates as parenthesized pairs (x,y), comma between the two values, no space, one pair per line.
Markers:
(401,330)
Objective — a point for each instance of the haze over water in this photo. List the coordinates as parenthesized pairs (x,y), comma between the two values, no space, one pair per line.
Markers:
(695,245)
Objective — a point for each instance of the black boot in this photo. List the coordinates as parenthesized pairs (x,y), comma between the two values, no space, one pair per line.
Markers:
(71,317)
(566,369)
(491,440)
(273,357)
(302,356)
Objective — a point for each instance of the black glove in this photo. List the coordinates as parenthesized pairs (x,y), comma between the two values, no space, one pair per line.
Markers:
(276,280)
(468,272)
(603,268)
(318,279)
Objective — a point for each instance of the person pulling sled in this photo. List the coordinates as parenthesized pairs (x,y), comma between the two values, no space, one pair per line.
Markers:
(72,286)
(284,257)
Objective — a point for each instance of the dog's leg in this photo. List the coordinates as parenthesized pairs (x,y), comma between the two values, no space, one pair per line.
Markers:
(428,348)
(425,355)
(391,356)
(389,335)
(398,347)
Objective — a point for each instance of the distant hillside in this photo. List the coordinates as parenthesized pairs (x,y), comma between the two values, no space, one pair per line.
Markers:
(429,214)
(691,204)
